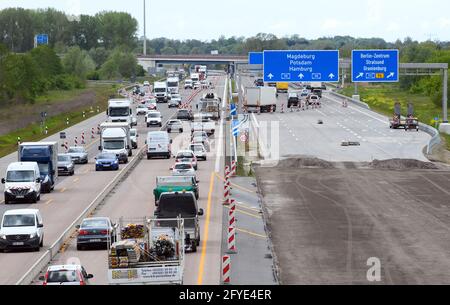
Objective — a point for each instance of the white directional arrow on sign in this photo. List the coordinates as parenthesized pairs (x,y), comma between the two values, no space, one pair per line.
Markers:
(331,75)
(360,75)
(301,76)
(270,76)
(391,75)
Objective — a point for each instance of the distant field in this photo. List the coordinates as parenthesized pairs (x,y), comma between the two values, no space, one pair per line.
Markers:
(382,98)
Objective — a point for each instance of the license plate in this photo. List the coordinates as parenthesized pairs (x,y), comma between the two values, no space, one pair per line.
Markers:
(20,197)
(95,240)
(106,165)
(18,244)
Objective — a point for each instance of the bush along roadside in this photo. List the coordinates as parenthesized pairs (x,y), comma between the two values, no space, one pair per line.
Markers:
(36,132)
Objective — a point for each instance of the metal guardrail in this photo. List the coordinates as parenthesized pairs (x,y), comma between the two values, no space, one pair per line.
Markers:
(351,100)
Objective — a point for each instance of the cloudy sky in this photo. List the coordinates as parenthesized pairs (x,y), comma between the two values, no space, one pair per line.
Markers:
(208,19)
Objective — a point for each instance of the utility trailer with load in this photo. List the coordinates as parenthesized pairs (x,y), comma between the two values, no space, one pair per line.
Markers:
(209,106)
(147,251)
(410,123)
(260,99)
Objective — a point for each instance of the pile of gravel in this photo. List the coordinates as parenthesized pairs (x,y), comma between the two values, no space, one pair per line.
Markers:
(402,164)
(301,162)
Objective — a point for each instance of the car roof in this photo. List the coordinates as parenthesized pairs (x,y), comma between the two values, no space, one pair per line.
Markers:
(185,151)
(22,166)
(64,267)
(96,218)
(183,163)
(22,211)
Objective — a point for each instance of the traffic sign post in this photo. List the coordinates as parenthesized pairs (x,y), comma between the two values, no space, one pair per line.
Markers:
(235,128)
(233,109)
(301,66)
(40,39)
(375,66)
(255,58)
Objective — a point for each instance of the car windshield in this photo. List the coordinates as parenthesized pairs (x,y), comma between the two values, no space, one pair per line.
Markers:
(44,168)
(160,89)
(94,223)
(198,140)
(114,144)
(132,133)
(177,96)
(122,111)
(183,166)
(185,155)
(106,156)
(174,84)
(154,115)
(62,276)
(11,221)
(174,123)
(196,148)
(141,106)
(76,150)
(64,158)
(20,176)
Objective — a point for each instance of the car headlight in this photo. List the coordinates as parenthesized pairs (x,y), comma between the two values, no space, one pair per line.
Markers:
(3,236)
(33,235)
(117,161)
(45,179)
(8,190)
(30,191)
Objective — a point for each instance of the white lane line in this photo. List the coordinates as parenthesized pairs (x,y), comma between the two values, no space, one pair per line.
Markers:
(219,146)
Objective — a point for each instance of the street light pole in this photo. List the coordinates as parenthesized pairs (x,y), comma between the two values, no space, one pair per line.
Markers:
(145,31)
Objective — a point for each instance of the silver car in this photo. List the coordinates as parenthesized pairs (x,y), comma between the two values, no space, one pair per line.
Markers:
(184,169)
(175,125)
(175,100)
(65,165)
(78,154)
(199,151)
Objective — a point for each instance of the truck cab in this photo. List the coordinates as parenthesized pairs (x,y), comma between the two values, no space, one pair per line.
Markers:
(120,111)
(160,91)
(115,139)
(183,204)
(22,182)
(45,154)
(195,77)
(173,85)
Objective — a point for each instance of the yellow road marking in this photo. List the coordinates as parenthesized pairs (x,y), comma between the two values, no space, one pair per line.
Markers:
(49,201)
(86,171)
(63,190)
(251,233)
(236,186)
(246,213)
(76,179)
(205,238)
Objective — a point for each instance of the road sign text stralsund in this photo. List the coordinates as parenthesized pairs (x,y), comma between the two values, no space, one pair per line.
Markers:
(375,66)
(301,66)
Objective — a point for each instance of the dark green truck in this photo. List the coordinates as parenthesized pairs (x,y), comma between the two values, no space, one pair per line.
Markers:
(175,184)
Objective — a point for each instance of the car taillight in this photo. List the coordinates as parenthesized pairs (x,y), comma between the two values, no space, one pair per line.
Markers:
(104,232)
(82,283)
(83,232)
(45,279)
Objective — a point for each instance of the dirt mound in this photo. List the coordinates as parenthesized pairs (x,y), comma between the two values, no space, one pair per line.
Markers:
(402,164)
(304,162)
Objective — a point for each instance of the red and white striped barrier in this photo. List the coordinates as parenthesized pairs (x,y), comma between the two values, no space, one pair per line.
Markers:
(226,269)
(83,142)
(76,141)
(232,240)
(98,129)
(282,108)
(93,133)
(226,187)
(232,217)
(233,168)
(66,146)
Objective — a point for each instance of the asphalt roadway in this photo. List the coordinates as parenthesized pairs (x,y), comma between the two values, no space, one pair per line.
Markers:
(308,138)
(134,198)
(328,225)
(71,195)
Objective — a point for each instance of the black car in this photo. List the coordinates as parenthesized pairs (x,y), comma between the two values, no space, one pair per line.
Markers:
(95,231)
(184,114)
(259,82)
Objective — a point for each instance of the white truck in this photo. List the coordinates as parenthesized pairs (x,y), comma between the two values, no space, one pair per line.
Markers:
(260,99)
(115,139)
(173,84)
(195,77)
(22,182)
(160,91)
(147,251)
(120,111)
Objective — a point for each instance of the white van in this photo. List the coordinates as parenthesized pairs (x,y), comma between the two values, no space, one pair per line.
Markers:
(158,144)
(22,182)
(22,229)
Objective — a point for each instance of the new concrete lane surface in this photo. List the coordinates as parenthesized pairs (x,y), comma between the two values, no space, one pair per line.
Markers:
(334,225)
(134,198)
(71,196)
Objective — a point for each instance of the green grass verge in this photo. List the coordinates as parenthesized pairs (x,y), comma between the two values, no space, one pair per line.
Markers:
(382,98)
(34,132)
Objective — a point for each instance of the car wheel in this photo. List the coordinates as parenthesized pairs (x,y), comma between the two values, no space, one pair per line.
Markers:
(160,124)
(6,201)
(35,199)
(39,197)
(181,130)
(148,125)
(194,246)
(79,247)
(169,130)
(41,243)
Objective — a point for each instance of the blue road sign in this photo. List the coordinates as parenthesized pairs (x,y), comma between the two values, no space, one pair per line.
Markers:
(255,58)
(375,66)
(235,127)
(301,66)
(41,39)
(233,109)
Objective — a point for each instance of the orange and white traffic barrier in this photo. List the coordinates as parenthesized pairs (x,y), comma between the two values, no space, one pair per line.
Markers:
(226,269)
(232,240)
